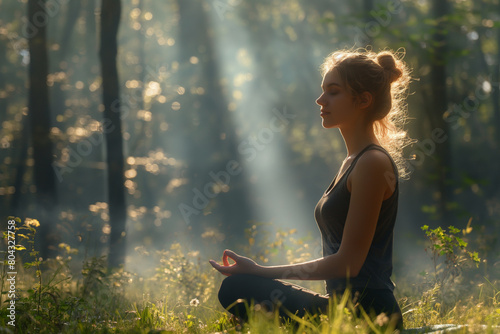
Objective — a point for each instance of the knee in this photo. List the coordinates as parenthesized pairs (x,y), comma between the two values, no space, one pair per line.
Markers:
(230,289)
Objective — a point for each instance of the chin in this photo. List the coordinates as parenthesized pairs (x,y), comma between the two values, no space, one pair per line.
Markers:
(329,125)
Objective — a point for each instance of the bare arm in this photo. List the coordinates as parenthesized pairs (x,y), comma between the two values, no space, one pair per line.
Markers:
(369,187)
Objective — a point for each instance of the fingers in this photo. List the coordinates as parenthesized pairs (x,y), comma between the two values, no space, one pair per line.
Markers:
(222,269)
(226,268)
(229,254)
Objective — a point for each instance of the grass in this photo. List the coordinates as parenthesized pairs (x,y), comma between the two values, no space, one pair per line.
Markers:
(180,295)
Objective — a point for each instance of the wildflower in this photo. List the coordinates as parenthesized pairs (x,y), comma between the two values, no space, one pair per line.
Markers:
(194,302)
(32,222)
(381,319)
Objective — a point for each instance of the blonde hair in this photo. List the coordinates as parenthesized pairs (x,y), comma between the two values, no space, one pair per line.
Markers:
(386,77)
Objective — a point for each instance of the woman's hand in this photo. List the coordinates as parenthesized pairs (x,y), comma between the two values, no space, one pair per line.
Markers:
(242,265)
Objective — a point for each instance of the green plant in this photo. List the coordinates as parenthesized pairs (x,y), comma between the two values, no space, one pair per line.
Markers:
(149,315)
(29,227)
(93,271)
(182,296)
(184,273)
(451,256)
(454,249)
(10,253)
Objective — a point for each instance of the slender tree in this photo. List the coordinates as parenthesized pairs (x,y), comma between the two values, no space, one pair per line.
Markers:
(110,21)
(495,95)
(39,119)
(3,69)
(439,57)
(22,148)
(496,90)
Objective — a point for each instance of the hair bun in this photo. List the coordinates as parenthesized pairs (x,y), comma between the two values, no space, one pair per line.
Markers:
(387,62)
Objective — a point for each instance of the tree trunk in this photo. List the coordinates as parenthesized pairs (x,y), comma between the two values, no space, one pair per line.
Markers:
(22,148)
(3,69)
(495,95)
(110,20)
(439,105)
(39,119)
(495,80)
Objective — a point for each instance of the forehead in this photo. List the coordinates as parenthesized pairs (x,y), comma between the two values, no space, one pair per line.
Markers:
(332,78)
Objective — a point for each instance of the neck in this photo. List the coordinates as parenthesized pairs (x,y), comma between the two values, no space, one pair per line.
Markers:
(358,137)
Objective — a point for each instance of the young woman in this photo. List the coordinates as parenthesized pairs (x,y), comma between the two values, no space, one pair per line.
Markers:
(364,97)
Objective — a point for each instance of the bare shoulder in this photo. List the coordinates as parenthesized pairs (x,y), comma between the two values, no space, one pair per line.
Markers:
(374,168)
(374,161)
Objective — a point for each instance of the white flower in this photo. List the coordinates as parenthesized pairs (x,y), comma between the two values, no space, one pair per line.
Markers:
(381,319)
(194,302)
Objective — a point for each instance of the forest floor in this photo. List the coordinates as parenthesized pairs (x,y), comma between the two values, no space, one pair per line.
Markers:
(68,294)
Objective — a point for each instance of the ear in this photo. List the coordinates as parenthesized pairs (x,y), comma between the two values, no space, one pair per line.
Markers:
(365,100)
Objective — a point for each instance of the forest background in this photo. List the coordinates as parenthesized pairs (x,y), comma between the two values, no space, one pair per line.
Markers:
(208,129)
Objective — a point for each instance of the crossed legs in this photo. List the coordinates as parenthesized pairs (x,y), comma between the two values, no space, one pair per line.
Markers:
(270,294)
(237,292)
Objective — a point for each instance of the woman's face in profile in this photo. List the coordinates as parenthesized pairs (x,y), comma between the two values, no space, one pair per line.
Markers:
(337,104)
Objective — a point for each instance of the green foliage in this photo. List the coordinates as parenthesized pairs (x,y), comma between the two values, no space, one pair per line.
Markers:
(29,229)
(450,245)
(449,289)
(182,294)
(94,270)
(179,271)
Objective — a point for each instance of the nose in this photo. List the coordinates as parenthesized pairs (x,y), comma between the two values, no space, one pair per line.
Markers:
(319,100)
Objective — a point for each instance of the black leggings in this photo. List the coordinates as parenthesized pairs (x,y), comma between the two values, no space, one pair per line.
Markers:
(237,292)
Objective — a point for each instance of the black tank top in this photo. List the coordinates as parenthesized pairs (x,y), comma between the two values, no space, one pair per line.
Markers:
(331,213)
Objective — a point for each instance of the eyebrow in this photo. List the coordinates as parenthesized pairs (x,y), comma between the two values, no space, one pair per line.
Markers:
(332,84)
